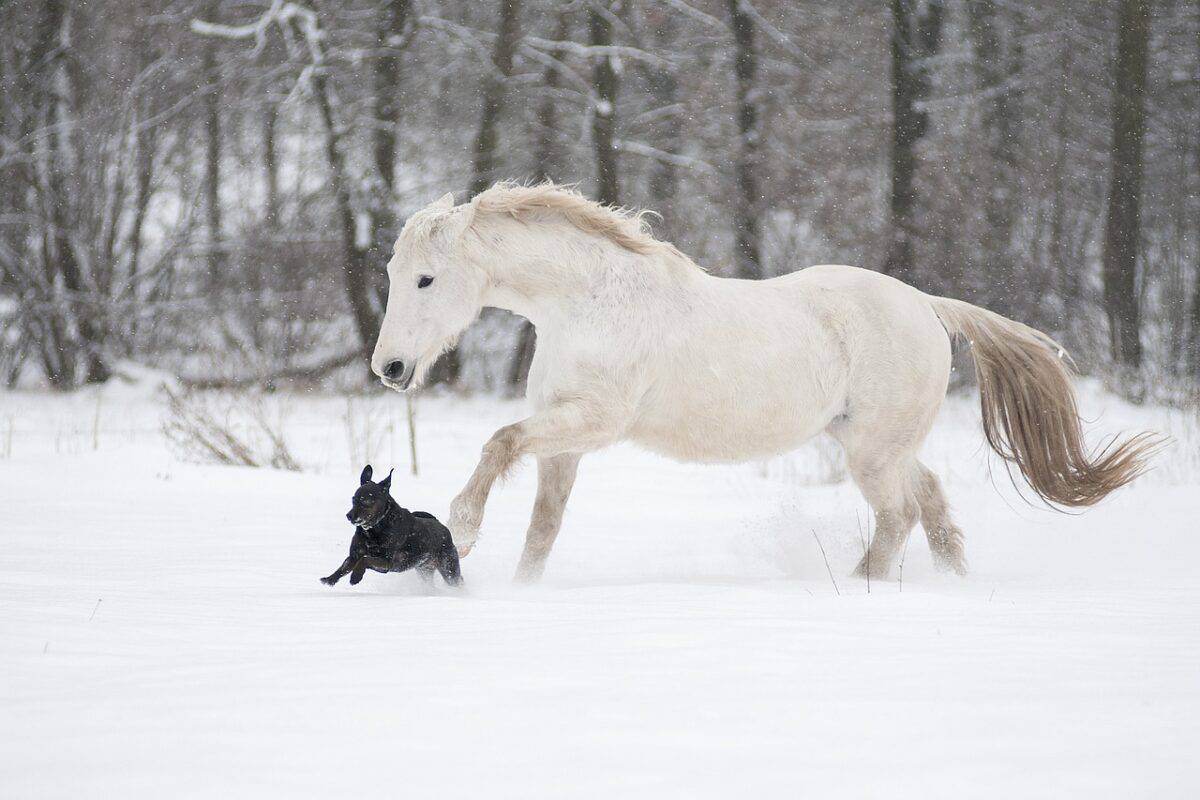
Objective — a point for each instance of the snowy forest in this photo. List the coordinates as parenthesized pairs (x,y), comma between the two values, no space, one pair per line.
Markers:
(787,562)
(213,187)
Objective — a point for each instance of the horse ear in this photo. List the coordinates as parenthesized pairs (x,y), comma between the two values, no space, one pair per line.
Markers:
(366,475)
(457,222)
(386,483)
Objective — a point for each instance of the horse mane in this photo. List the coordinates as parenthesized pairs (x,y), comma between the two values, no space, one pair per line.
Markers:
(622,226)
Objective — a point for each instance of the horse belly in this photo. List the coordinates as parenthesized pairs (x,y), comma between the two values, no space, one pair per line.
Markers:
(730,431)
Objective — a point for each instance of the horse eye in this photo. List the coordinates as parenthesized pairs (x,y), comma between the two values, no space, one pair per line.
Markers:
(424,281)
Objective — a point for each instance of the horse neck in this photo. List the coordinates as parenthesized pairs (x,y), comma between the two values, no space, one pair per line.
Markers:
(548,272)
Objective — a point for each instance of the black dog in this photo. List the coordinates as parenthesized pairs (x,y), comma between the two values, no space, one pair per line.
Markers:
(388,538)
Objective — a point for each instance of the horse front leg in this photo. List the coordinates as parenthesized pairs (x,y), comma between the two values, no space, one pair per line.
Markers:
(575,428)
(556,477)
(466,510)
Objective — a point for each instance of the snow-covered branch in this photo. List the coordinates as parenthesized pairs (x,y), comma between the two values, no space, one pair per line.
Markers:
(651,152)
(287,16)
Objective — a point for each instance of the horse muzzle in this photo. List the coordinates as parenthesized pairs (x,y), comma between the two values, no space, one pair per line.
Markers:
(397,374)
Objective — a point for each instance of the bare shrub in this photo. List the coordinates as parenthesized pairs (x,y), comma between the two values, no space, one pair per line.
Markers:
(233,429)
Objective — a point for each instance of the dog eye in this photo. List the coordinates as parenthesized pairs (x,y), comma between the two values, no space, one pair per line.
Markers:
(424,281)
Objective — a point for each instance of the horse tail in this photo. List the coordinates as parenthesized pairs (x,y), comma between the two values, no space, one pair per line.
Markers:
(1030,416)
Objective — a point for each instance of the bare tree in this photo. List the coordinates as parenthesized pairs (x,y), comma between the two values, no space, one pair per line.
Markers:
(391,35)
(1123,223)
(495,86)
(746,207)
(72,306)
(547,150)
(135,157)
(547,159)
(663,86)
(916,33)
(605,85)
(998,66)
(270,163)
(483,170)
(211,122)
(301,28)
(1193,347)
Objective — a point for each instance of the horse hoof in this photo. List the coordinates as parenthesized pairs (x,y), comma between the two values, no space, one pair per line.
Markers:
(529,570)
(874,573)
(463,522)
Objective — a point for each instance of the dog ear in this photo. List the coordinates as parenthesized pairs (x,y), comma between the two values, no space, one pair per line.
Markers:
(366,475)
(386,483)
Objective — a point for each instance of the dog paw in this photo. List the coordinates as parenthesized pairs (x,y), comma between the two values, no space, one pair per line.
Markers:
(355,580)
(328,581)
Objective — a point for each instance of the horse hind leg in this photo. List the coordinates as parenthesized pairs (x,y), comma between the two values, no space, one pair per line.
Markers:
(889,491)
(945,537)
(881,467)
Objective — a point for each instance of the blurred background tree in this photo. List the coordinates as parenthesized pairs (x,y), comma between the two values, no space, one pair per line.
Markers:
(214,186)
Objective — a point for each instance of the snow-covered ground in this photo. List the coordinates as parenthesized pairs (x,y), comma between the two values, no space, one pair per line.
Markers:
(163,633)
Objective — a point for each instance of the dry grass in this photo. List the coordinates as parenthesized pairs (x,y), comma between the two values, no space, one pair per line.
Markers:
(235,430)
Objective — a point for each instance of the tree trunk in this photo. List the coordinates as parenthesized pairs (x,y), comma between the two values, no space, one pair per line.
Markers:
(915,37)
(495,86)
(36,77)
(1193,354)
(604,84)
(1194,323)
(547,158)
(145,139)
(390,39)
(78,303)
(390,35)
(353,259)
(663,186)
(547,151)
(212,155)
(997,70)
(271,163)
(747,227)
(1069,282)
(1122,228)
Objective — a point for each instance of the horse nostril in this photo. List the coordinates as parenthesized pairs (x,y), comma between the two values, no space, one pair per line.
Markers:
(393,370)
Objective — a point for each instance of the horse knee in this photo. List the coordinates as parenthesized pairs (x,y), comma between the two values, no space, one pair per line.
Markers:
(504,447)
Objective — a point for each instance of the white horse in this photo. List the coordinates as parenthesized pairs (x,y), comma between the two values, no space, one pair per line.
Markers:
(635,342)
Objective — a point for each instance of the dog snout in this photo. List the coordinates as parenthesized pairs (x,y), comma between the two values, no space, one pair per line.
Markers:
(350,516)
(394,370)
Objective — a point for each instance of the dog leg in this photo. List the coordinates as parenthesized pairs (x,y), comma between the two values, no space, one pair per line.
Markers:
(339,573)
(370,562)
(449,569)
